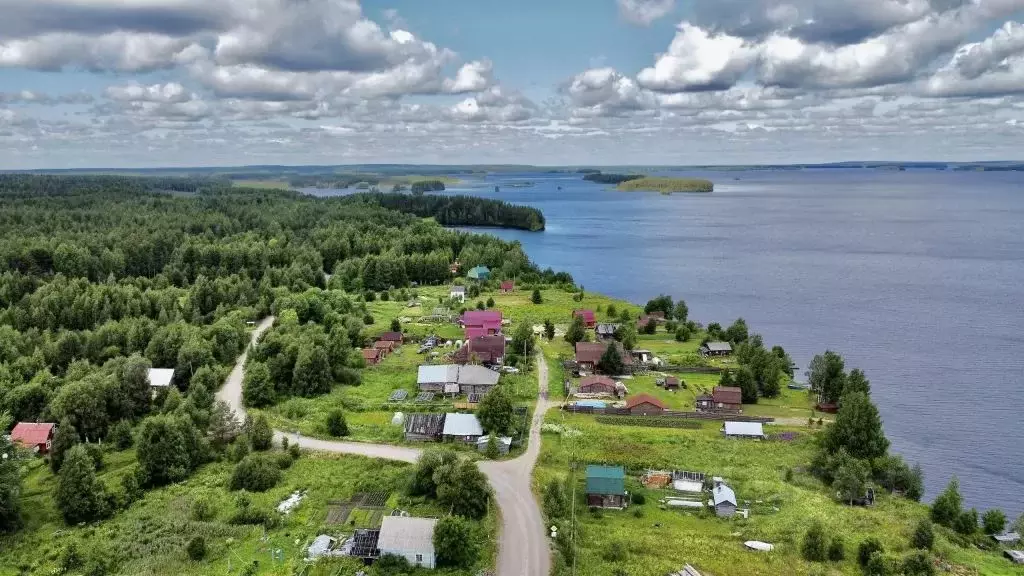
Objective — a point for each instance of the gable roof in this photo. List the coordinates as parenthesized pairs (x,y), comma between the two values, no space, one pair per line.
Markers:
(486,348)
(606,479)
(424,424)
(744,429)
(592,352)
(644,399)
(727,395)
(481,318)
(594,379)
(391,337)
(462,425)
(671,381)
(31,433)
(371,353)
(478,271)
(477,375)
(383,345)
(719,346)
(441,374)
(160,377)
(407,534)
(587,315)
(606,328)
(724,494)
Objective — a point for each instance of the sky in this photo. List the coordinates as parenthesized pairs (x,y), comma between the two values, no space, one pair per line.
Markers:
(148,83)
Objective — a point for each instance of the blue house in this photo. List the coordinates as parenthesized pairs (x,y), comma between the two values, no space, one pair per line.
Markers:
(480,273)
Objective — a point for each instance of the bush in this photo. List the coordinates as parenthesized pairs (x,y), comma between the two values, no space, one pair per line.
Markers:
(203,510)
(556,503)
(918,564)
(284,460)
(490,302)
(993,521)
(683,334)
(239,450)
(196,549)
(396,326)
(967,522)
(814,545)
(261,437)
(80,496)
(876,565)
(294,451)
(96,454)
(336,425)
(924,536)
(455,543)
(615,552)
(246,514)
(392,565)
(368,319)
(255,473)
(121,435)
(131,487)
(385,296)
(370,296)
(837,550)
(536,297)
(866,549)
(639,499)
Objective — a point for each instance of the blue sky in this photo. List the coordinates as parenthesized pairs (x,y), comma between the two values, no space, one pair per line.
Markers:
(87,83)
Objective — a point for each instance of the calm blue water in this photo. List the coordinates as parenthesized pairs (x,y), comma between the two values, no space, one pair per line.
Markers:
(916,277)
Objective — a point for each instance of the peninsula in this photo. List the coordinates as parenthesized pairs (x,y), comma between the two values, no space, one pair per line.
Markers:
(641,183)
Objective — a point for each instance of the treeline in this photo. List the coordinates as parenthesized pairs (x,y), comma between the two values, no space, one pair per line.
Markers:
(460,210)
(601,178)
(421,186)
(340,181)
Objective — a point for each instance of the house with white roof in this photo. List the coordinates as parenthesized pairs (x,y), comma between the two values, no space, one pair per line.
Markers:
(410,538)
(462,428)
(744,430)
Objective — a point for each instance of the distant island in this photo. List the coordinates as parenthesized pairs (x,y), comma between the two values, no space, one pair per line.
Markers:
(639,182)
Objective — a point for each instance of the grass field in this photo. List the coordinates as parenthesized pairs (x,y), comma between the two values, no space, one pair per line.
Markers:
(263,184)
(661,184)
(150,536)
(657,541)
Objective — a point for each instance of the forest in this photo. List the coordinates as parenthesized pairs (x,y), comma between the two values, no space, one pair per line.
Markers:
(460,210)
(103,277)
(610,178)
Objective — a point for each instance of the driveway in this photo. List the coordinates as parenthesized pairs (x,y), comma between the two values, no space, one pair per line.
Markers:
(523,544)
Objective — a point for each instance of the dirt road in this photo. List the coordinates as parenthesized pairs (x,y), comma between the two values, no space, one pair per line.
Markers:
(523,543)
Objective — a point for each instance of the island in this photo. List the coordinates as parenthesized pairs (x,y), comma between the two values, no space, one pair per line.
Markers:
(666,185)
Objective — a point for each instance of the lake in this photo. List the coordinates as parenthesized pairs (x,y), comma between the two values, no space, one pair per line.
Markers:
(916,277)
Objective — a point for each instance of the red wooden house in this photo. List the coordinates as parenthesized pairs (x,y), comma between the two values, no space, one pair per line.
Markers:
(645,405)
(508,286)
(589,319)
(32,435)
(478,323)
(373,356)
(597,385)
(484,349)
(588,354)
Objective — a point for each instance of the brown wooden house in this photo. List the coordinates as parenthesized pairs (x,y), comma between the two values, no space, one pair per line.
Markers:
(395,337)
(508,287)
(588,354)
(483,349)
(724,398)
(645,405)
(372,356)
(597,385)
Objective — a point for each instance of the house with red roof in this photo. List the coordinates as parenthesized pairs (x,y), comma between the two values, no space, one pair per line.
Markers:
(488,349)
(35,436)
(589,318)
(478,323)
(385,346)
(597,385)
(373,356)
(508,286)
(644,405)
(588,354)
(395,337)
(721,398)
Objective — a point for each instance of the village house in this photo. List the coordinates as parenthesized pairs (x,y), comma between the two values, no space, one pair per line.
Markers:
(606,486)
(646,319)
(410,538)
(481,322)
(644,405)
(588,354)
(716,349)
(508,287)
(457,293)
(461,428)
(487,350)
(479,273)
(385,347)
(423,427)
(372,356)
(160,377)
(724,500)
(606,331)
(642,356)
(34,436)
(395,337)
(440,379)
(743,430)
(671,383)
(589,319)
(723,398)
(596,385)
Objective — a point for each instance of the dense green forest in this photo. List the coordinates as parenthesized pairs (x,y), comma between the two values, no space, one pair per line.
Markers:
(103,277)
(610,178)
(460,210)
(421,186)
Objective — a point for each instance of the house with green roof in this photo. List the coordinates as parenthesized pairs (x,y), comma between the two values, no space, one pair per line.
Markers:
(606,486)
(480,273)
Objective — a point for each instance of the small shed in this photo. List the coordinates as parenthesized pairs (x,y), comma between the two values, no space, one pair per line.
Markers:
(504,444)
(1015,556)
(671,383)
(480,273)
(1007,538)
(606,486)
(724,500)
(645,405)
(395,337)
(476,379)
(423,427)
(410,538)
(322,546)
(606,331)
(744,430)
(160,377)
(36,436)
(716,349)
(385,346)
(373,356)
(588,316)
(462,428)
(508,287)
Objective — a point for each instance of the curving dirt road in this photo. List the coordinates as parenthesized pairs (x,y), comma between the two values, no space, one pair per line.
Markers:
(523,544)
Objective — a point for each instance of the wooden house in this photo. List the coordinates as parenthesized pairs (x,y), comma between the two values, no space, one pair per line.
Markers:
(395,337)
(457,293)
(479,273)
(588,354)
(597,385)
(423,427)
(671,383)
(716,349)
(606,486)
(645,405)
(722,398)
(36,436)
(606,331)
(372,356)
(589,319)
(724,500)
(385,347)
(508,287)
(488,350)
(462,428)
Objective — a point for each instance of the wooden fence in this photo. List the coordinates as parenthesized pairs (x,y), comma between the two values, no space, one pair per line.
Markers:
(720,416)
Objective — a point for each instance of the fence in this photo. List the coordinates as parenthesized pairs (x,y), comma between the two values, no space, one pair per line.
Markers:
(669,414)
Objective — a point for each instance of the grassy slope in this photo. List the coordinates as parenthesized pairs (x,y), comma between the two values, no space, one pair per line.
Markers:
(663,540)
(150,536)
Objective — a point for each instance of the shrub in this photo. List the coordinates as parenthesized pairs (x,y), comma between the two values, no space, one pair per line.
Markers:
(556,502)
(203,510)
(121,435)
(814,544)
(246,514)
(385,296)
(370,296)
(336,425)
(490,302)
(536,297)
(96,454)
(368,319)
(80,496)
(294,451)
(967,522)
(639,499)
(993,521)
(284,460)
(455,543)
(396,326)
(255,473)
(239,450)
(261,437)
(615,552)
(131,487)
(866,549)
(196,549)
(392,565)
(918,564)
(876,565)
(837,550)
(924,536)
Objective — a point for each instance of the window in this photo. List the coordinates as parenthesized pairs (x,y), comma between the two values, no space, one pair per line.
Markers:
(419,558)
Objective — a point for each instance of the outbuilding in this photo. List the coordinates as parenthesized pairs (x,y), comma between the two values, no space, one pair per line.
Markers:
(372,356)
(36,436)
(424,427)
(395,337)
(606,331)
(716,349)
(744,430)
(724,500)
(671,383)
(462,428)
(508,287)
(410,538)
(588,354)
(160,377)
(645,405)
(597,385)
(606,486)
(725,398)
(504,444)
(487,350)
(457,293)
(588,316)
